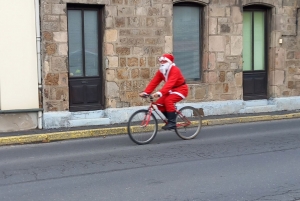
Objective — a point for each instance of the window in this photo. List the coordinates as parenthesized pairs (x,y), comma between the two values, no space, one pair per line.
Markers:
(187,49)
(254,40)
(83,43)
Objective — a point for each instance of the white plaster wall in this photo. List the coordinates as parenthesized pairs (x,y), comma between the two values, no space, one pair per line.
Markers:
(18,63)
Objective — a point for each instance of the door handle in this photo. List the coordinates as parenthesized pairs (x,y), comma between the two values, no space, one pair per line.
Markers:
(84,82)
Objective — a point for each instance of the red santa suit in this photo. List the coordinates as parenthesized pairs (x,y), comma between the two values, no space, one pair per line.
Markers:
(174,90)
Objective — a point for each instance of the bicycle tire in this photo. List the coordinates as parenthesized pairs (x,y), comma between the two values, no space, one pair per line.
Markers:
(137,132)
(185,130)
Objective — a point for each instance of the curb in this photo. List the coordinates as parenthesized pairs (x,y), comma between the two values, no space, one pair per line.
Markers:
(103,132)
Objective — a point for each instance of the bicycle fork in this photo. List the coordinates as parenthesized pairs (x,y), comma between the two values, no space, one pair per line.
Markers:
(147,118)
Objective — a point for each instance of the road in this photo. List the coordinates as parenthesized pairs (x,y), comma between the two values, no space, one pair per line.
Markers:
(240,162)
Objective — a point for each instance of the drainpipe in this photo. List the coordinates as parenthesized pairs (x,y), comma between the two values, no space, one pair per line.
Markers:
(39,66)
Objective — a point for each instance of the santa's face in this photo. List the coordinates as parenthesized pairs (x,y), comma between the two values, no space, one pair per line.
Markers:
(164,66)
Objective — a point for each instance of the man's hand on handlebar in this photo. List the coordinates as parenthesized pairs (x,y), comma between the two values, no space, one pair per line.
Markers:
(154,95)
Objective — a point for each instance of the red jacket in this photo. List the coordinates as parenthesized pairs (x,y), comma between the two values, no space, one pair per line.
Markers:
(175,83)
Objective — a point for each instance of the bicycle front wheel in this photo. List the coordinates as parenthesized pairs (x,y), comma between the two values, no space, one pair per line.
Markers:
(142,127)
(188,123)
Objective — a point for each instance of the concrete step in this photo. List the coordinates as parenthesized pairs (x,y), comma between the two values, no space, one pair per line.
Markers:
(254,103)
(89,122)
(87,115)
(258,109)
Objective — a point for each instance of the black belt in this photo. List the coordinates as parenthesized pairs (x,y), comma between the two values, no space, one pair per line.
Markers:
(179,85)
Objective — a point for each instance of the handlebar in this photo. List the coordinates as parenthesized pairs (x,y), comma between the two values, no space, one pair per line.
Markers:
(148,96)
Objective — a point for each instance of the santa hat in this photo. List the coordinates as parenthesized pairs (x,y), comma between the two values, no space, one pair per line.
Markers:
(167,57)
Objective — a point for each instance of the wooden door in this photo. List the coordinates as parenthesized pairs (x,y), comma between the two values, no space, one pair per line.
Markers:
(254,54)
(85,66)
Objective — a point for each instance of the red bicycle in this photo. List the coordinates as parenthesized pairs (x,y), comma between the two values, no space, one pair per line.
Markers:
(142,126)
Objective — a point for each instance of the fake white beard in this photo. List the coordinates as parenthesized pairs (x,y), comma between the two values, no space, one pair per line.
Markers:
(164,68)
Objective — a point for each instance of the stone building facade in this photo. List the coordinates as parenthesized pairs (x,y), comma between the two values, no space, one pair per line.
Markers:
(136,32)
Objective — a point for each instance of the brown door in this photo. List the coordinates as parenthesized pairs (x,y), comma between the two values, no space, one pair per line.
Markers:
(85,75)
(254,54)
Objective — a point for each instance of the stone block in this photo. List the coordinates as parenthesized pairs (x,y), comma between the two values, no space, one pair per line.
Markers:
(63,23)
(50,48)
(50,26)
(143,62)
(216,43)
(225,88)
(111,10)
(213,25)
(51,79)
(122,62)
(168,44)
(58,64)
(238,79)
(111,35)
(132,62)
(120,22)
(63,79)
(63,49)
(222,76)
(212,61)
(145,73)
(47,36)
(220,56)
(112,90)
(122,74)
(59,9)
(236,16)
(113,61)
(161,22)
(135,73)
(125,11)
(110,75)
(277,77)
(216,11)
(223,66)
(152,61)
(109,49)
(133,22)
(167,10)
(225,28)
(211,77)
(60,36)
(123,51)
(141,11)
(200,93)
(291,85)
(236,45)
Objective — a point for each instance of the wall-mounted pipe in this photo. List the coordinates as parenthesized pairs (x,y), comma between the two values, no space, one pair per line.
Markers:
(39,66)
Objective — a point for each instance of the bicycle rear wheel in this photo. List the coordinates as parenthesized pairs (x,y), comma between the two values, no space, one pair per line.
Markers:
(188,123)
(141,127)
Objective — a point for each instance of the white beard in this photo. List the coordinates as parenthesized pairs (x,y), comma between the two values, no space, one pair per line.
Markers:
(164,68)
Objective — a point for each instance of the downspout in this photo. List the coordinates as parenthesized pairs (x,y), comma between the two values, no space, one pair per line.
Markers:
(39,66)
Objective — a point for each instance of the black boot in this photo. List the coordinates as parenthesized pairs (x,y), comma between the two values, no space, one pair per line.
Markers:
(171,121)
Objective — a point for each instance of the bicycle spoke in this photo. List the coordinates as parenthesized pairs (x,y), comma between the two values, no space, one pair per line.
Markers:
(188,123)
(142,127)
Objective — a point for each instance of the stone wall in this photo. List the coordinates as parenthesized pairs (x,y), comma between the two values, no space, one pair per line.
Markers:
(136,32)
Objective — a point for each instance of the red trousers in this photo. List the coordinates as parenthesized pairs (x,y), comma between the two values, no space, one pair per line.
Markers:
(167,102)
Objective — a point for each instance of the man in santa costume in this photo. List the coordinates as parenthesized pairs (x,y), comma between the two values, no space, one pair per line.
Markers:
(174,90)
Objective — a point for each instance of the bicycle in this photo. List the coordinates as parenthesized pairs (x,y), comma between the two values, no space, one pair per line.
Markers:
(142,125)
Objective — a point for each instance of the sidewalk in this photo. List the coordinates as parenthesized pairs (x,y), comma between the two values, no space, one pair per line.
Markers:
(50,135)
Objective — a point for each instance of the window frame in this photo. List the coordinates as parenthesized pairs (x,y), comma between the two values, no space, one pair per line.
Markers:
(202,29)
(82,8)
(263,9)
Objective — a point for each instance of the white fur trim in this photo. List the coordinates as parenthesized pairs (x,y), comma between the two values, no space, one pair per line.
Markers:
(167,74)
(159,93)
(179,94)
(164,59)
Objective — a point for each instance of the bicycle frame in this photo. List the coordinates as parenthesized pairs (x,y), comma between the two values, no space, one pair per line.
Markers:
(151,108)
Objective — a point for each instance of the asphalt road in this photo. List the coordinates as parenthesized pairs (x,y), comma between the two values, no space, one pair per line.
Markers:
(240,162)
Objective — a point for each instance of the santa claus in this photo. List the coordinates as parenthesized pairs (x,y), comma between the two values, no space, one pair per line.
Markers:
(174,90)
